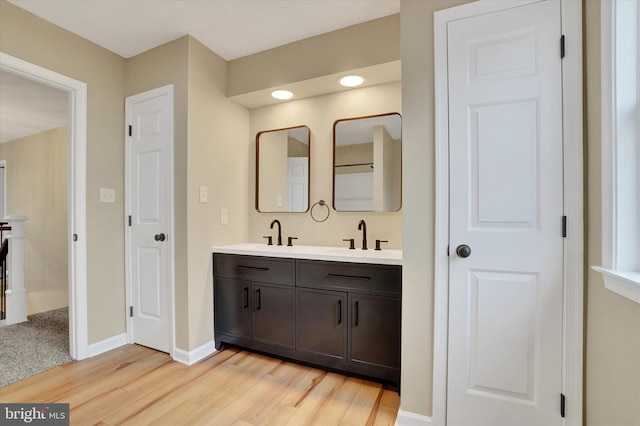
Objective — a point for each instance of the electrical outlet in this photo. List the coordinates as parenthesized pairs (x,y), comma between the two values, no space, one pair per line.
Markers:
(204,194)
(107,195)
(224,216)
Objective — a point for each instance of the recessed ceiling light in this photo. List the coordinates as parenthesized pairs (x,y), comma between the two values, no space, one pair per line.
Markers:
(282,94)
(351,80)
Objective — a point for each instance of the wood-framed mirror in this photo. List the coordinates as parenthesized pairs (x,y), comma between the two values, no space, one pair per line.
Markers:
(282,170)
(367,163)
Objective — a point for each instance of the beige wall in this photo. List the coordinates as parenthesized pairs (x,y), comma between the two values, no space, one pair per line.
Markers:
(370,43)
(34,40)
(419,190)
(319,114)
(37,188)
(612,322)
(219,158)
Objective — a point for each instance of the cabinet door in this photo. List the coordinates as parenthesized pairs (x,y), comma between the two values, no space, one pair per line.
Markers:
(321,322)
(232,304)
(273,315)
(375,330)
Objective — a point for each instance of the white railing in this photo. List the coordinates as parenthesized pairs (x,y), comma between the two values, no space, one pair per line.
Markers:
(16,294)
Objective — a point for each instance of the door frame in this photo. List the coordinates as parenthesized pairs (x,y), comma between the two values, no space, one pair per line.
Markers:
(3,210)
(77,192)
(573,272)
(129,100)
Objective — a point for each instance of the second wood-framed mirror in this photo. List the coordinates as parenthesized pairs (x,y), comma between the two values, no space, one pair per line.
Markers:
(282,169)
(367,163)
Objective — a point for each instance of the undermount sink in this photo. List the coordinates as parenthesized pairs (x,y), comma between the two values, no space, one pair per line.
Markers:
(339,254)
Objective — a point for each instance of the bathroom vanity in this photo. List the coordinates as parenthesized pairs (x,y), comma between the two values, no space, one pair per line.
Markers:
(330,307)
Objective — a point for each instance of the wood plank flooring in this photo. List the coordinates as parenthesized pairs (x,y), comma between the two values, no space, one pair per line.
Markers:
(134,385)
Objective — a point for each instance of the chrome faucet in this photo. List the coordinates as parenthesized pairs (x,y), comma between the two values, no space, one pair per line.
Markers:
(362,226)
(279,230)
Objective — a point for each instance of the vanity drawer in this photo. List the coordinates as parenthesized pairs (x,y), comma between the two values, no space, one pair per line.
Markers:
(254,268)
(384,279)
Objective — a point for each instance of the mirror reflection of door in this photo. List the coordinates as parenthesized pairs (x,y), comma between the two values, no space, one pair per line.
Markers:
(367,163)
(282,162)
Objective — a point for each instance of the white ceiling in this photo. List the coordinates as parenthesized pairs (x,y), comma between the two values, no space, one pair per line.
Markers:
(231,28)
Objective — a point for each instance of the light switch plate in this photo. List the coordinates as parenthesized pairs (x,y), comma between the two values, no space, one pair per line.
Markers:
(107,195)
(204,194)
(224,216)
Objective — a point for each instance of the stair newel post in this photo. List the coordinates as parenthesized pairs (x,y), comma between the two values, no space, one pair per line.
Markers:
(16,294)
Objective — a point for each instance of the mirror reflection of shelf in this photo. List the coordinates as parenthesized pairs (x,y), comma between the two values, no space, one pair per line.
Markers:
(355,165)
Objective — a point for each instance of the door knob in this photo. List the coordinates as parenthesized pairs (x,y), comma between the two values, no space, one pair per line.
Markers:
(463,250)
(160,237)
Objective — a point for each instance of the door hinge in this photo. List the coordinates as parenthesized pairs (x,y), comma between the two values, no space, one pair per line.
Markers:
(130,311)
(447,250)
(564,226)
(130,130)
(75,237)
(129,220)
(562,51)
(562,404)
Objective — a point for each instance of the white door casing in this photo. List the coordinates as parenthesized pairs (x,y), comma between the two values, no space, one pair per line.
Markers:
(149,211)
(505,326)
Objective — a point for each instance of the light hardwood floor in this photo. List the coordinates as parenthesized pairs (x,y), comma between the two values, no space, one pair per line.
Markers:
(139,386)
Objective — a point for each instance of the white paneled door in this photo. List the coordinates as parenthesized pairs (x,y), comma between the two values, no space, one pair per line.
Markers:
(149,188)
(506,210)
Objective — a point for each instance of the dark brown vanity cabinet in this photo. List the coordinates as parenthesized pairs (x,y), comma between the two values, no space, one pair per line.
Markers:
(363,304)
(254,300)
(232,315)
(321,326)
(375,330)
(335,315)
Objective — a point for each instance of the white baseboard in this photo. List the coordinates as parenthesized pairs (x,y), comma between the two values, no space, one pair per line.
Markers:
(106,345)
(407,418)
(190,358)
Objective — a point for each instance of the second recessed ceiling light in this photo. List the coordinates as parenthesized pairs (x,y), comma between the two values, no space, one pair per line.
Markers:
(352,80)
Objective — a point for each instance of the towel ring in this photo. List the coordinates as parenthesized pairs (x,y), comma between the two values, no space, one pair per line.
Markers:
(321,203)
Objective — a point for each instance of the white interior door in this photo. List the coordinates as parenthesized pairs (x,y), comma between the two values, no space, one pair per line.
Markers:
(506,206)
(150,182)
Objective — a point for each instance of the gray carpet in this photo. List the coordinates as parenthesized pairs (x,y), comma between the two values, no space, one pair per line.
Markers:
(34,346)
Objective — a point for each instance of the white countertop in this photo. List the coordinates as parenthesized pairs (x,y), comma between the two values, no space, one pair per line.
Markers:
(336,254)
